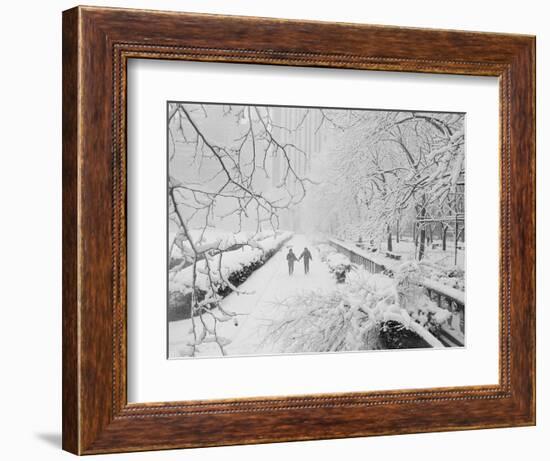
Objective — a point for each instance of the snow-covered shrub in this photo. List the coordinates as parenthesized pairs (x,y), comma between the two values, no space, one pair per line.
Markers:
(393,335)
(236,266)
(238,276)
(452,277)
(322,322)
(413,298)
(339,265)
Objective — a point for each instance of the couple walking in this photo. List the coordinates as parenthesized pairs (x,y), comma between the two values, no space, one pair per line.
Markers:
(291,258)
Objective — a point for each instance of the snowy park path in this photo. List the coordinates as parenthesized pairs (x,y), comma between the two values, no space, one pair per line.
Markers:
(268,286)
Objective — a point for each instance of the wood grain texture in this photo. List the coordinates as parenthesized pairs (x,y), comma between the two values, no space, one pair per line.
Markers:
(70,390)
(97,43)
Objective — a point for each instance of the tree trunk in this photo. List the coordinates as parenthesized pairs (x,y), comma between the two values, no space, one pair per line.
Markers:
(390,246)
(397,232)
(422,245)
(444,238)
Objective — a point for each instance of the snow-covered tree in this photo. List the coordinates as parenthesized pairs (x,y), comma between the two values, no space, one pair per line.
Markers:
(391,166)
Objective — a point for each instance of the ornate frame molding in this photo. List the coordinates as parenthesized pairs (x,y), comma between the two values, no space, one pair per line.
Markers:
(97,44)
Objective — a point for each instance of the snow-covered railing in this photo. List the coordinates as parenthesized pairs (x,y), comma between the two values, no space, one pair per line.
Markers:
(453,300)
(444,290)
(444,296)
(357,256)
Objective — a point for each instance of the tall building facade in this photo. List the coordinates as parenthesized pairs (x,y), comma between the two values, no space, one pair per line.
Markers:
(302,131)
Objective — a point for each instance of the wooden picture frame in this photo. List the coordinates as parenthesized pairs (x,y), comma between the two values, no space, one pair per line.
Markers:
(97,43)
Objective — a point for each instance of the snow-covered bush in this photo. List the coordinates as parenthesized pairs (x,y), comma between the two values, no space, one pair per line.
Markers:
(452,277)
(339,265)
(369,311)
(321,322)
(222,271)
(414,300)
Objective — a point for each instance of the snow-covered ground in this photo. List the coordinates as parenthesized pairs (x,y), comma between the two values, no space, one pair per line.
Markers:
(435,255)
(268,286)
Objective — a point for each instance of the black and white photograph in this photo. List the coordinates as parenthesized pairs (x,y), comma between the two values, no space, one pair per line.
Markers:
(313,229)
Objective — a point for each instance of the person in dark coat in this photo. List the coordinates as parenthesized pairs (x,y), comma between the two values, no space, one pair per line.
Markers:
(291,258)
(306,255)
